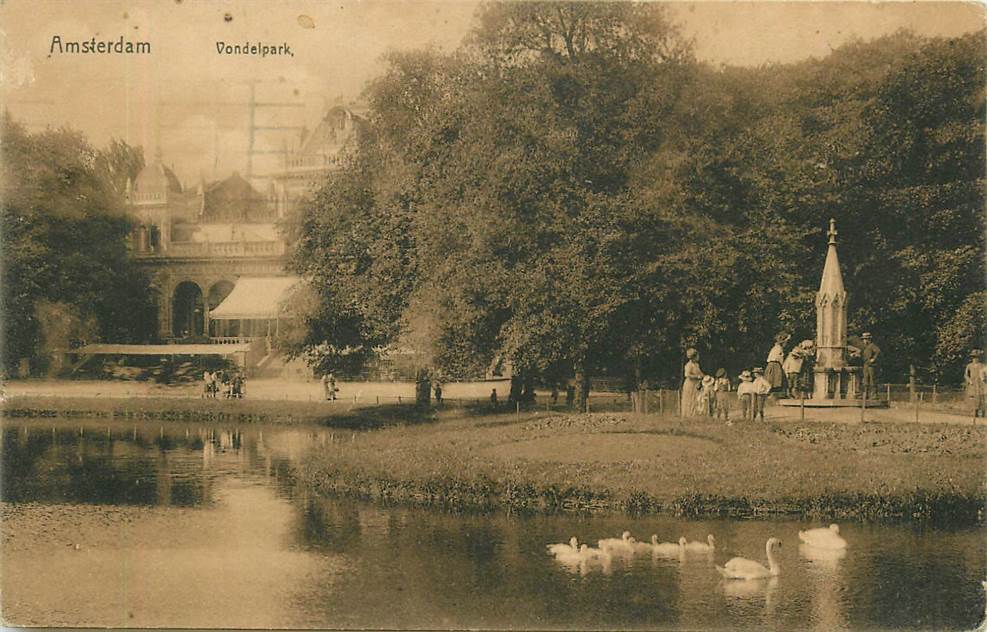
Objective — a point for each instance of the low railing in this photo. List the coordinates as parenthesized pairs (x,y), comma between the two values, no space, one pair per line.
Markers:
(231,340)
(221,249)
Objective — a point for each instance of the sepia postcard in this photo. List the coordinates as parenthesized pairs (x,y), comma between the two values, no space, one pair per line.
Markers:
(493,315)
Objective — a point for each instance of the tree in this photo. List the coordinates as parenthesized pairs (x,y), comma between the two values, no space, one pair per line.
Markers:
(64,236)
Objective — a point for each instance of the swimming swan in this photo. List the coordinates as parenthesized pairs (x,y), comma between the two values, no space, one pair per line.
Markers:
(571,547)
(743,568)
(646,547)
(624,544)
(669,549)
(702,547)
(824,538)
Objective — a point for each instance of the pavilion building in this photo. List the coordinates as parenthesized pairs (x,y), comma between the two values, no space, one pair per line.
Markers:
(214,252)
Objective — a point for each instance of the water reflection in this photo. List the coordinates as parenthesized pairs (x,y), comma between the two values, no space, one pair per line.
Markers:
(202,526)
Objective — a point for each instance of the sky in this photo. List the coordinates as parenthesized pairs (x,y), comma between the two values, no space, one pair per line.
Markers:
(190,101)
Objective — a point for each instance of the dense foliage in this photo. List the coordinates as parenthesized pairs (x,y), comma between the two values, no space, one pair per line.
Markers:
(573,192)
(66,275)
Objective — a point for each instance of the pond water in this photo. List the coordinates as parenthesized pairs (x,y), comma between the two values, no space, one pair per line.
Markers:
(203,526)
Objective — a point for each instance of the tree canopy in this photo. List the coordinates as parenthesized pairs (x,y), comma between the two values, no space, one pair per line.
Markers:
(63,238)
(573,192)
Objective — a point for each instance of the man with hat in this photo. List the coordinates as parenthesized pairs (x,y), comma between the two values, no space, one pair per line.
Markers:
(869,353)
(974,378)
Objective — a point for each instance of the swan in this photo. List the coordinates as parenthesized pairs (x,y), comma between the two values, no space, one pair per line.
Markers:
(624,544)
(583,555)
(669,549)
(824,538)
(646,547)
(702,547)
(743,568)
(571,547)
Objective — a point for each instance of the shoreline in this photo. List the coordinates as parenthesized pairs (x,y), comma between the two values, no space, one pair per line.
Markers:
(550,462)
(456,469)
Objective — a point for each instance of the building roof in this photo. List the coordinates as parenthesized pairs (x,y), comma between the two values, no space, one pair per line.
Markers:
(157,178)
(255,297)
(332,132)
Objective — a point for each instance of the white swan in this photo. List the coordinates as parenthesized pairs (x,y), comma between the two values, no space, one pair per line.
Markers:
(622,545)
(646,547)
(571,547)
(702,547)
(669,549)
(824,538)
(743,568)
(583,555)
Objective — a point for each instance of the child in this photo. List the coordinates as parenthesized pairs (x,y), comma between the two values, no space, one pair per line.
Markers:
(746,394)
(792,368)
(762,388)
(721,390)
(704,404)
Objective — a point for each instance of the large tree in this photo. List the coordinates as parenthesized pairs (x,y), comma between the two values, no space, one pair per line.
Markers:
(63,239)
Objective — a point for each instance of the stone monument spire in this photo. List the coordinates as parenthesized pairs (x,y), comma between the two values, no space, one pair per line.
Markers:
(831,306)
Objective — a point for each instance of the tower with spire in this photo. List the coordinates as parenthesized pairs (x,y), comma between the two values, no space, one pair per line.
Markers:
(832,378)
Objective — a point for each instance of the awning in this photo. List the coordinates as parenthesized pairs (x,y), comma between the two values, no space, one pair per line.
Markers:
(260,297)
(162,349)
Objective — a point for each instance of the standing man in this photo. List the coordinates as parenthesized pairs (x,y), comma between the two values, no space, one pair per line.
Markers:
(973,378)
(869,353)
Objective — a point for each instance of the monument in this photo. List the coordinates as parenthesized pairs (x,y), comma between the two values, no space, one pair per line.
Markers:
(835,382)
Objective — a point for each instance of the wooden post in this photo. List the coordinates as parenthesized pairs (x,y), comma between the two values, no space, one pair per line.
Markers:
(911,381)
(935,394)
(863,405)
(644,403)
(378,400)
(661,401)
(888,387)
(916,406)
(802,405)
(517,410)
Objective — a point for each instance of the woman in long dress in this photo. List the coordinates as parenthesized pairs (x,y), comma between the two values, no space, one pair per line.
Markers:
(692,378)
(773,372)
(974,380)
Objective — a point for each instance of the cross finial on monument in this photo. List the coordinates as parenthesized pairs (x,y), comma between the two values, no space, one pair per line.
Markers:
(832,231)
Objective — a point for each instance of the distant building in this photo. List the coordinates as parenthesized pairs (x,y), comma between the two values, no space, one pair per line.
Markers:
(201,243)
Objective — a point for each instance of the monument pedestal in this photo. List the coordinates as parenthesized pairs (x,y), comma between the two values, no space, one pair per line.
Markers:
(835,388)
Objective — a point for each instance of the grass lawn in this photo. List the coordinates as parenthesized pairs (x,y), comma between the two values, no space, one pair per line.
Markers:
(659,464)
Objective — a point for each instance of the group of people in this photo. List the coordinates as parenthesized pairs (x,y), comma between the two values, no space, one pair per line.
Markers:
(224,384)
(709,395)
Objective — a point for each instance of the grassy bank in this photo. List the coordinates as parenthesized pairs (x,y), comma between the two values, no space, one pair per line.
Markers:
(337,414)
(635,464)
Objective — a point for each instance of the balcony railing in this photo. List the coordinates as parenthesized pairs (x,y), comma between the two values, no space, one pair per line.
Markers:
(220,249)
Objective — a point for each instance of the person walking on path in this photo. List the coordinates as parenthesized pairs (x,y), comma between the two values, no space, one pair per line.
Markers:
(329,386)
(438,392)
(745,392)
(869,354)
(206,384)
(721,390)
(692,378)
(975,381)
(762,389)
(774,374)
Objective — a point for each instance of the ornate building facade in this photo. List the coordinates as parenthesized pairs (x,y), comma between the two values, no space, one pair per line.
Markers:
(198,243)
